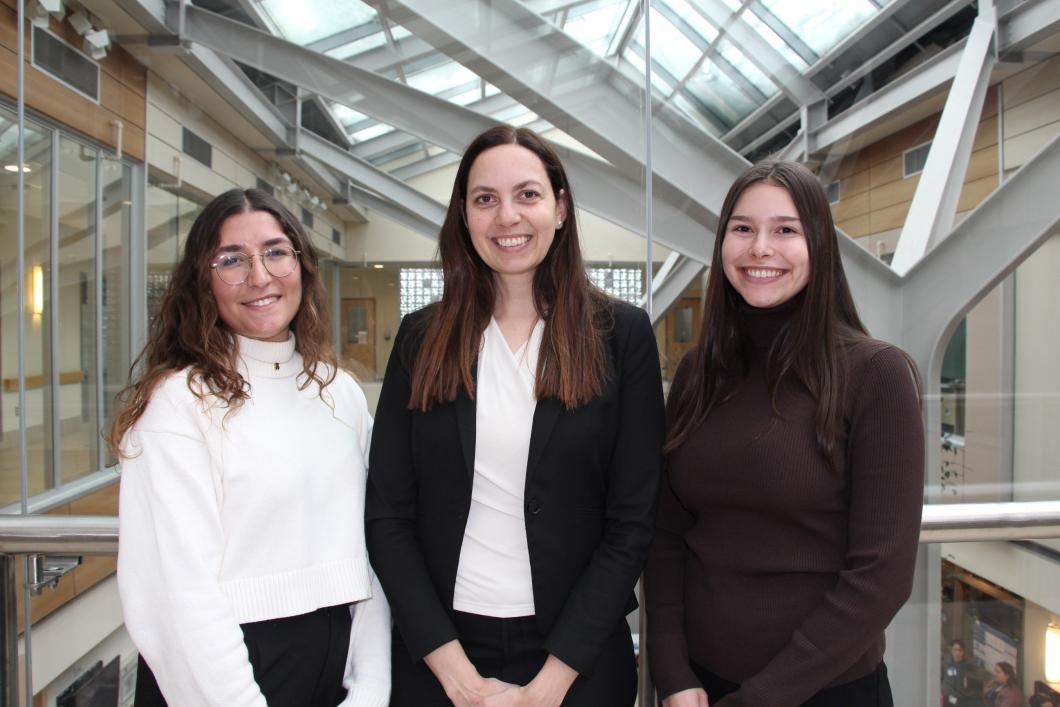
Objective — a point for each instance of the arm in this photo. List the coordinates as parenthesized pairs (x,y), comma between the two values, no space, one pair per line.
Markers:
(664,584)
(367,678)
(885,454)
(598,601)
(170,547)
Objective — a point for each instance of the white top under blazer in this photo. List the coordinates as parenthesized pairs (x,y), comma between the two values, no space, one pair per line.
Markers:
(493,577)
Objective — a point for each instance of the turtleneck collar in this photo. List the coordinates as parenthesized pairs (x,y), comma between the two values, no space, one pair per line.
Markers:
(270,359)
(764,324)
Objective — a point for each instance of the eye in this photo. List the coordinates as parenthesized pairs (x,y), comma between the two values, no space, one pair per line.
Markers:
(231,260)
(788,231)
(530,194)
(741,228)
(484,199)
(277,253)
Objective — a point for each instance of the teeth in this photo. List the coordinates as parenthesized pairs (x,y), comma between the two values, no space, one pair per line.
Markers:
(263,301)
(512,242)
(762,273)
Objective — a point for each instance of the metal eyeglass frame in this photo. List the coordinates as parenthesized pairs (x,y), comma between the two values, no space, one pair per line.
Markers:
(251,256)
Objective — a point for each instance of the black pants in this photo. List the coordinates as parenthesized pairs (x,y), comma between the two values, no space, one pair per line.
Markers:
(873,690)
(298,661)
(512,650)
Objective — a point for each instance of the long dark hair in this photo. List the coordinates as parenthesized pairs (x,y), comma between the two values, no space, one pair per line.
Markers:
(188,332)
(810,348)
(571,365)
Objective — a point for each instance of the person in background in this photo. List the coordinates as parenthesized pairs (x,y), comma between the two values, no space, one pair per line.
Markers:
(958,685)
(1003,689)
(242,566)
(789,514)
(515,456)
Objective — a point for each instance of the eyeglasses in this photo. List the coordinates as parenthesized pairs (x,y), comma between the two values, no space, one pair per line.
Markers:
(234,268)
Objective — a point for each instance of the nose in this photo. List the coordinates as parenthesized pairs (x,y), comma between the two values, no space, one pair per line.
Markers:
(258,275)
(508,213)
(761,245)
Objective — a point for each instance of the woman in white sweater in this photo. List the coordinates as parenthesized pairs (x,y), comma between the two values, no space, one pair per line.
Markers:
(242,566)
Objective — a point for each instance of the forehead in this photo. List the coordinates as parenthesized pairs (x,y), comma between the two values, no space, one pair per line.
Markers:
(250,228)
(505,166)
(763,200)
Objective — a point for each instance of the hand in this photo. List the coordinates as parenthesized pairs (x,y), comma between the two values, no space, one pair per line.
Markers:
(547,689)
(461,681)
(695,697)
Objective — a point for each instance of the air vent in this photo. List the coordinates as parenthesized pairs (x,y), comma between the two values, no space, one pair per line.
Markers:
(307,217)
(198,148)
(832,192)
(65,64)
(914,160)
(265,187)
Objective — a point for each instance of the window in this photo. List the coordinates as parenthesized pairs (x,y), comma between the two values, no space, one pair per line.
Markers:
(419,287)
(198,148)
(65,64)
(626,284)
(307,217)
(914,159)
(336,236)
(265,187)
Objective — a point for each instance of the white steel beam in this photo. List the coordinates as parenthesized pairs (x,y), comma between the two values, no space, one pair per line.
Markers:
(934,204)
(670,283)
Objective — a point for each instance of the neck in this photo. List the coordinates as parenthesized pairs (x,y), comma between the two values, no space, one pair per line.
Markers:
(515,298)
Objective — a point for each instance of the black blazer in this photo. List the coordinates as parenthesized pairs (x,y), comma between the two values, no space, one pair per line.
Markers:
(591,482)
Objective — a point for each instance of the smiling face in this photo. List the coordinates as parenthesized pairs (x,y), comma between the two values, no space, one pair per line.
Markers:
(764,253)
(263,306)
(512,213)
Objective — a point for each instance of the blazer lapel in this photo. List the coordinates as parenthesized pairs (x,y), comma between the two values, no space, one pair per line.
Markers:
(546,412)
(465,423)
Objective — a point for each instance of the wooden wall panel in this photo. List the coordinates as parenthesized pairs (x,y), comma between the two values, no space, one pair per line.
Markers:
(855,227)
(123,89)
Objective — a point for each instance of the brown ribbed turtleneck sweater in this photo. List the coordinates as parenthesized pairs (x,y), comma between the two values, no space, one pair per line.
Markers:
(768,568)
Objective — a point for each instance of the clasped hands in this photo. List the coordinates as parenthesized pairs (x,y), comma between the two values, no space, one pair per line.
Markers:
(466,688)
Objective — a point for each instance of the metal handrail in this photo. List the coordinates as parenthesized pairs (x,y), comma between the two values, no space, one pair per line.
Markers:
(958,522)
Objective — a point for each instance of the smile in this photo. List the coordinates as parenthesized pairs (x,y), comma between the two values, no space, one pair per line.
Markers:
(512,241)
(762,273)
(263,302)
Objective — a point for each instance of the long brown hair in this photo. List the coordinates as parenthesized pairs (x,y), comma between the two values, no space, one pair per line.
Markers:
(188,332)
(811,346)
(571,366)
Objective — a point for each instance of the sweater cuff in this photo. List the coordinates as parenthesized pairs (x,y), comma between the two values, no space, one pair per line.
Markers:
(670,667)
(367,696)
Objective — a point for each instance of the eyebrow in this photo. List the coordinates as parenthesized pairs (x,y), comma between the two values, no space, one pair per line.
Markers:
(748,219)
(517,187)
(237,248)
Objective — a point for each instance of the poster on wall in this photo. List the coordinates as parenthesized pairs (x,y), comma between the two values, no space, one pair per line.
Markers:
(991,646)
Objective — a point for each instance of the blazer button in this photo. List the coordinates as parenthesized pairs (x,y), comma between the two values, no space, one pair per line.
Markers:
(533,506)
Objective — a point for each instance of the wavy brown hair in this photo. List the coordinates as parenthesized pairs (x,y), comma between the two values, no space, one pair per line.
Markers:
(810,348)
(187,333)
(572,366)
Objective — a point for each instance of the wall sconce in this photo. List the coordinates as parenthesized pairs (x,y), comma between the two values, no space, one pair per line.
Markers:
(37,291)
(1052,653)
(96,44)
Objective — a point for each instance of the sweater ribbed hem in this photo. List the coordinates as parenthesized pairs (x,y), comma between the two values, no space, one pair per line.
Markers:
(298,592)
(367,696)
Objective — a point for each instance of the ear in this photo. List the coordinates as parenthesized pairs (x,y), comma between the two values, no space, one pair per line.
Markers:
(561,206)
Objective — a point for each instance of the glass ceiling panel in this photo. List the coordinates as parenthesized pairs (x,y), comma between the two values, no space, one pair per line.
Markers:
(741,63)
(693,18)
(364,44)
(821,23)
(774,40)
(441,78)
(669,46)
(595,23)
(309,20)
(720,95)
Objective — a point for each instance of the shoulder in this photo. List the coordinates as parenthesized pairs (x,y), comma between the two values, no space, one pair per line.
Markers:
(622,320)
(178,403)
(872,356)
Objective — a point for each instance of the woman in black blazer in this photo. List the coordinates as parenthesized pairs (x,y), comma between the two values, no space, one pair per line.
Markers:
(593,417)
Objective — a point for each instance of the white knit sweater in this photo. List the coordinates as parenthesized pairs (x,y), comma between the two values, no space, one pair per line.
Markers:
(255,515)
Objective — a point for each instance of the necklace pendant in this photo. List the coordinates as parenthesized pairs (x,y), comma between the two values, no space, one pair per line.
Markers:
(276,366)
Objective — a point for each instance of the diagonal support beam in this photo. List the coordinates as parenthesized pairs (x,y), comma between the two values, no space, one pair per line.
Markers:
(677,273)
(934,205)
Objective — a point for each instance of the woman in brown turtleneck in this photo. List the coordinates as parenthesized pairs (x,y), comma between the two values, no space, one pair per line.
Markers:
(789,515)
